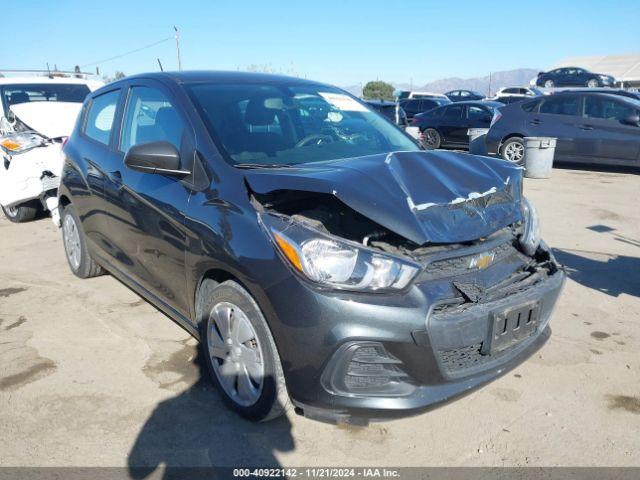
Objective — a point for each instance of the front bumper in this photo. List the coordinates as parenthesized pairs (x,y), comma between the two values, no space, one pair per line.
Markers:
(434,352)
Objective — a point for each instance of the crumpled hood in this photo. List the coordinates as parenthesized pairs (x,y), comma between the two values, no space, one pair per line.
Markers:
(51,119)
(426,197)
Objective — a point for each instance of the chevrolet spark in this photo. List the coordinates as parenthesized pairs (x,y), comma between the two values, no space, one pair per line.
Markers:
(324,261)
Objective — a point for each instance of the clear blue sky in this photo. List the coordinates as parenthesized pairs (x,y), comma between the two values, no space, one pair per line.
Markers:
(343,42)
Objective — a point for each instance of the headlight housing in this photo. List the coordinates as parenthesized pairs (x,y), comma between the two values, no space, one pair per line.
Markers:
(14,143)
(334,262)
(530,238)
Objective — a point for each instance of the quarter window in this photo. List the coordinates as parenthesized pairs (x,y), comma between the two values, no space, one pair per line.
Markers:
(100,117)
(560,105)
(476,113)
(150,117)
(597,107)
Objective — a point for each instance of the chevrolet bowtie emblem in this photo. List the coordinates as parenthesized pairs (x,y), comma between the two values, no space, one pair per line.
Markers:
(482,261)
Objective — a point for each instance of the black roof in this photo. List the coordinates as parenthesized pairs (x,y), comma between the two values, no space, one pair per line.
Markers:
(213,76)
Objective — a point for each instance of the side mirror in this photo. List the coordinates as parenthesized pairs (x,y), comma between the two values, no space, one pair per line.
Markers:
(155,157)
(633,120)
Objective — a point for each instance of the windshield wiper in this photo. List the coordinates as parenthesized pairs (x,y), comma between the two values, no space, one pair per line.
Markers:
(262,165)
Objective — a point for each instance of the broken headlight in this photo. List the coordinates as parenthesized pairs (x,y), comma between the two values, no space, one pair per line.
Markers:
(335,262)
(13,143)
(530,238)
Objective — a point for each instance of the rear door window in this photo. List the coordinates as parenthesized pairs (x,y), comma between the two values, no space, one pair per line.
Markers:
(453,112)
(99,122)
(560,105)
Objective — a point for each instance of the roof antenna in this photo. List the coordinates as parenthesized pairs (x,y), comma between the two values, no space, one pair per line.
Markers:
(160,63)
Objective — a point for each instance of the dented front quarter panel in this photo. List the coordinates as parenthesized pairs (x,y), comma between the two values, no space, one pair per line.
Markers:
(426,197)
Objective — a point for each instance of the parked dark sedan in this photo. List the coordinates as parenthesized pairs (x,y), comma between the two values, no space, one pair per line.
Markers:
(447,126)
(390,110)
(414,106)
(319,255)
(464,95)
(573,77)
(590,127)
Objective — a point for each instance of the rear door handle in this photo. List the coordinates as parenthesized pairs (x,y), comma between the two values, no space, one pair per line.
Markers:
(585,127)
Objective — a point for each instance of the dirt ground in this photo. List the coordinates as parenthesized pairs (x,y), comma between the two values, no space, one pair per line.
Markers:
(90,374)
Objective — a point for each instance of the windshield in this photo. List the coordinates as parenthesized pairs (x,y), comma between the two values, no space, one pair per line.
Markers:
(25,93)
(258,124)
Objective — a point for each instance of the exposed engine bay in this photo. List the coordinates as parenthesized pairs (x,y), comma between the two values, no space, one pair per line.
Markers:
(455,220)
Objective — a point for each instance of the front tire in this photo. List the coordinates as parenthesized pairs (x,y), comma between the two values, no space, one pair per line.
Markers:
(512,150)
(431,139)
(81,263)
(20,213)
(592,83)
(240,353)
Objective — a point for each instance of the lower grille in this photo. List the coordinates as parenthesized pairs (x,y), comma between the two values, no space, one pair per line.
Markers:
(464,358)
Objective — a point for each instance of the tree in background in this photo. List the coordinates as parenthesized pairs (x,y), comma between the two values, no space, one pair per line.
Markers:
(117,76)
(378,90)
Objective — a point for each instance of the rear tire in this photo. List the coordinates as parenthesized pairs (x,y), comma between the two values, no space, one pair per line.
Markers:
(549,84)
(21,213)
(592,83)
(240,353)
(512,150)
(431,139)
(81,263)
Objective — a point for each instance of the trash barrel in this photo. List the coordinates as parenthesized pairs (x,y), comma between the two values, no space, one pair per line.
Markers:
(477,137)
(538,156)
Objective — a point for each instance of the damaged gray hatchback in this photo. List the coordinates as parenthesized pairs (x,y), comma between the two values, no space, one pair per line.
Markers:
(323,260)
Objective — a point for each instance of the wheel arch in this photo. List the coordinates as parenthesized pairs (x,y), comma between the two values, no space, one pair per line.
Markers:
(509,136)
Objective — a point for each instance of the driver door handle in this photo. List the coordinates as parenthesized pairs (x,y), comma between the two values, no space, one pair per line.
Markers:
(115,177)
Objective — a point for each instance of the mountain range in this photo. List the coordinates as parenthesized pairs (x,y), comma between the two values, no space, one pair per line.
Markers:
(486,85)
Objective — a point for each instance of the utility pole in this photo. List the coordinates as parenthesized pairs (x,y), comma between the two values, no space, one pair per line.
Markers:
(178,47)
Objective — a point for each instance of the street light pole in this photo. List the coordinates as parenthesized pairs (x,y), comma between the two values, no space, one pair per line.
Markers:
(178,47)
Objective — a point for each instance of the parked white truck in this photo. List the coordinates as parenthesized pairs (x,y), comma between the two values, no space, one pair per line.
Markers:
(37,113)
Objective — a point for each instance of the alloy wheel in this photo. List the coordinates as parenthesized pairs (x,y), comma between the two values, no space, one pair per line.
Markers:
(236,354)
(430,138)
(548,84)
(71,238)
(593,83)
(514,152)
(12,211)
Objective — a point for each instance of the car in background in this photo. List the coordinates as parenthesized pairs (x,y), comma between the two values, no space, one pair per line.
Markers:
(414,106)
(464,95)
(447,126)
(510,95)
(37,113)
(390,110)
(573,77)
(320,264)
(590,127)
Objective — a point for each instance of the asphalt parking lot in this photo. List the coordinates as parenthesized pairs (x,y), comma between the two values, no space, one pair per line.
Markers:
(92,375)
